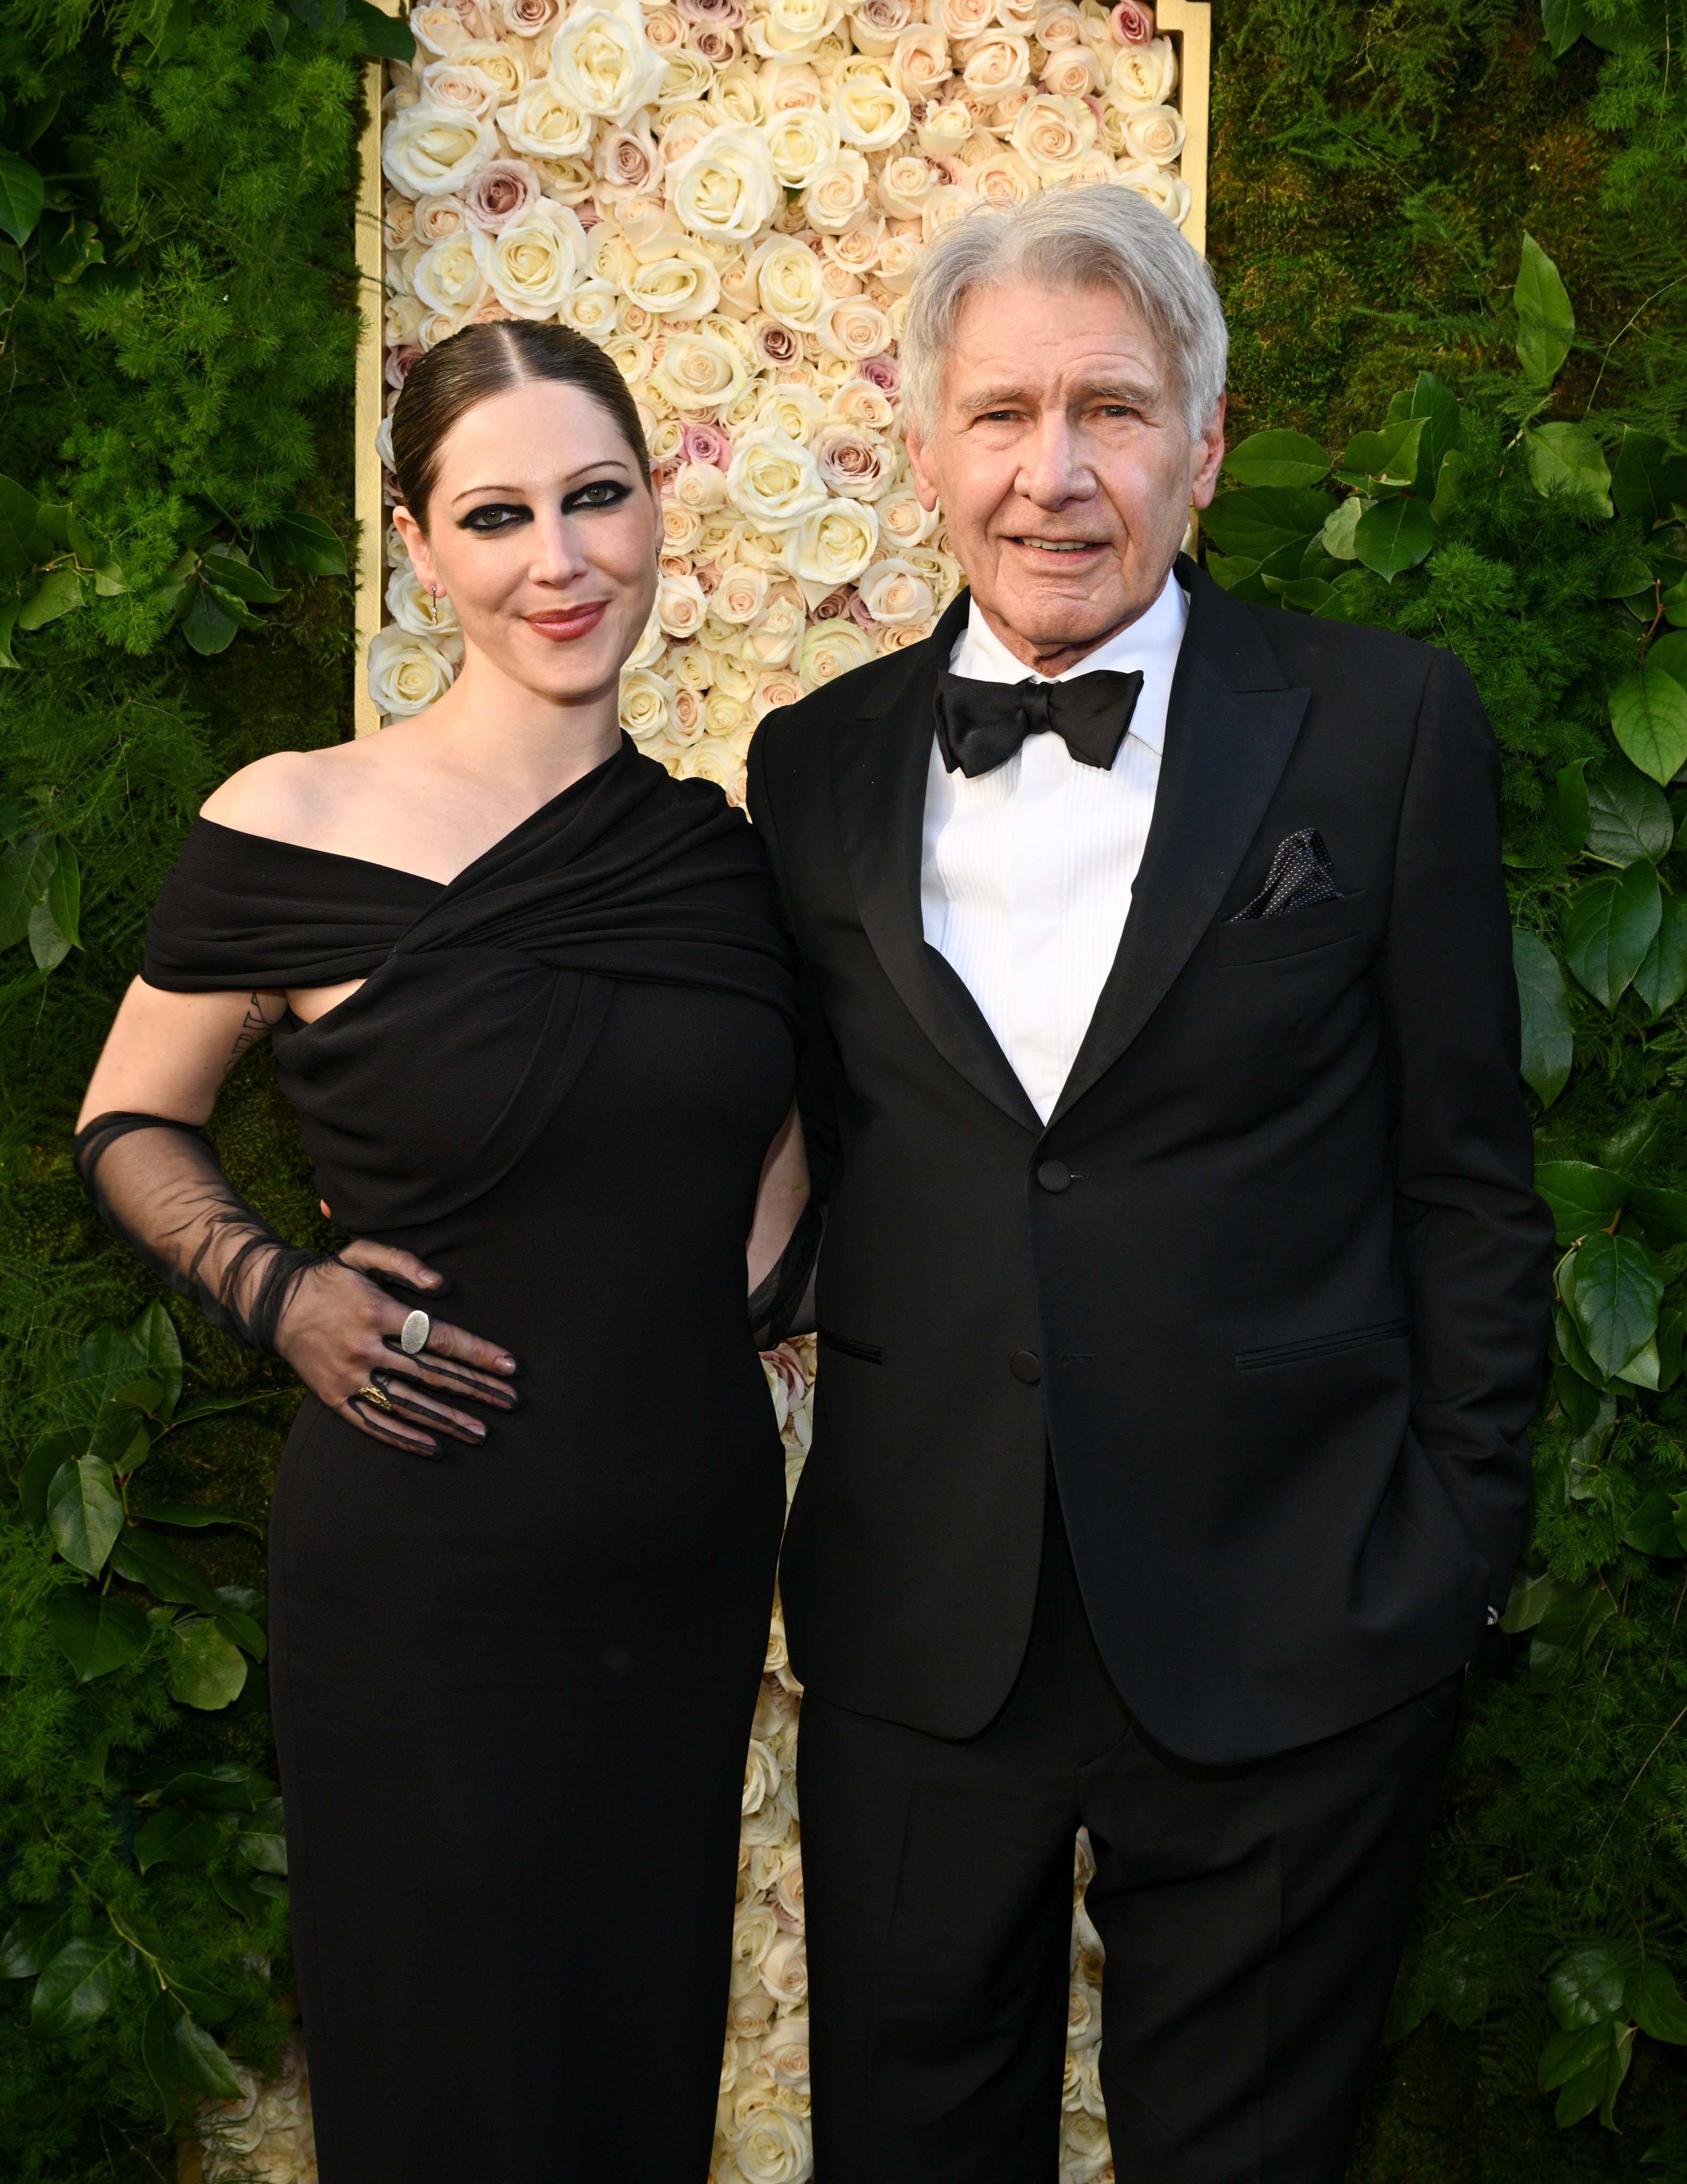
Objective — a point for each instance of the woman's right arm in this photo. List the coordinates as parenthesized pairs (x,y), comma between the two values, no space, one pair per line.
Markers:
(155,1178)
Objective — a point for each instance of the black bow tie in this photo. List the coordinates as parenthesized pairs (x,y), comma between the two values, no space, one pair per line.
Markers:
(981,724)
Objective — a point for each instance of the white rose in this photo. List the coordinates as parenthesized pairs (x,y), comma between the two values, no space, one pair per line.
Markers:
(786,2052)
(999,65)
(1145,75)
(605,65)
(775,636)
(905,183)
(947,202)
(775,2147)
(899,263)
(701,486)
(1154,133)
(730,720)
(895,593)
(700,371)
(799,141)
(566,181)
(787,86)
(875,25)
(681,527)
(792,29)
(408,673)
(837,195)
(726,187)
(547,123)
(448,276)
(738,95)
(679,608)
(902,522)
(1073,72)
(944,130)
(679,288)
(439,29)
(852,328)
(590,310)
(427,152)
(832,648)
(920,67)
(646,705)
(505,66)
(869,115)
(787,277)
(1052,135)
(422,613)
(532,265)
(785,1969)
(401,316)
(859,402)
(835,544)
(775,687)
(773,481)
(1159,185)
(459,87)
(741,595)
(651,645)
(798,412)
(1003,178)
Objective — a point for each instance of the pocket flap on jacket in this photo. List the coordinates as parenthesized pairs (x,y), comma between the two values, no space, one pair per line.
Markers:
(1296,933)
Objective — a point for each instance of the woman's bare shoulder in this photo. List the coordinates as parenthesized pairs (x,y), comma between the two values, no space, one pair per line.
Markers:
(290,796)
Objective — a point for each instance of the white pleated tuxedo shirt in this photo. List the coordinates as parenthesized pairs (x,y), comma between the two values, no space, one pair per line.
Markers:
(1026,873)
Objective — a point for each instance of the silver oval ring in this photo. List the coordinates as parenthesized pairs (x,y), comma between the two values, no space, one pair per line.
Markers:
(413,1334)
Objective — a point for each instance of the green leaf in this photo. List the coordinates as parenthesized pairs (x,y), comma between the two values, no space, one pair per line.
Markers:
(1337,536)
(1661,1213)
(1567,459)
(1661,978)
(1386,461)
(1655,2003)
(1546,325)
(306,543)
(84,1513)
(1548,1047)
(220,1786)
(1262,520)
(1443,430)
(207,1669)
(1532,1594)
(207,625)
(47,944)
(1562,1639)
(241,578)
(1575,1350)
(1279,458)
(58,593)
(64,893)
(96,1632)
(18,514)
(1395,535)
(236,1624)
(386,37)
(1613,1293)
(177,1836)
(1572,807)
(106,1362)
(1579,1401)
(153,1336)
(52,1450)
(1562,20)
(79,1985)
(182,2060)
(1581,1196)
(250,1898)
(23,196)
(142,1557)
(1649,718)
(1628,815)
(25,874)
(1588,1988)
(200,1997)
(264,1842)
(1653,1528)
(1608,927)
(1649,477)
(190,1515)
(33,1939)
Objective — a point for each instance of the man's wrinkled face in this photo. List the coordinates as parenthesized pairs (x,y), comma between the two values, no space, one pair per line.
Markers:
(1063,465)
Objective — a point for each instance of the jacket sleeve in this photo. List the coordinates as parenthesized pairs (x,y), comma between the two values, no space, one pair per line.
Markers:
(1475,1239)
(817,1071)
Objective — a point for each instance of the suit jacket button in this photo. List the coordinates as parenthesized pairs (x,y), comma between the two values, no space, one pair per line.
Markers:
(1055,1175)
(1026,1365)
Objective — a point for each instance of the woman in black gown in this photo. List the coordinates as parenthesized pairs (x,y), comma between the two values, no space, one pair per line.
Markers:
(530,999)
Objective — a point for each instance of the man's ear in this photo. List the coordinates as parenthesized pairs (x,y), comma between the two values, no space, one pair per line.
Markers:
(1209,453)
(920,462)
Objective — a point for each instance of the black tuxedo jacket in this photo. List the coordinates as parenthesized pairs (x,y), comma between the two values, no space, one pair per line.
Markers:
(1272,1286)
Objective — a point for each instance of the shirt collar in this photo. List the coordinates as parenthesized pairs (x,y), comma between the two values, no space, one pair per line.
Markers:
(1151,643)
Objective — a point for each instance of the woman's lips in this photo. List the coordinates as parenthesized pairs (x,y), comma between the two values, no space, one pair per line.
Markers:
(559,624)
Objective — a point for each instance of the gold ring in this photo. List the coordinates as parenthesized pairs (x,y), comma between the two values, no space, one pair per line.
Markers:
(378,1397)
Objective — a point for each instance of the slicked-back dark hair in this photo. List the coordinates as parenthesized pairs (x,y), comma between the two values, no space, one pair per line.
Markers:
(480,361)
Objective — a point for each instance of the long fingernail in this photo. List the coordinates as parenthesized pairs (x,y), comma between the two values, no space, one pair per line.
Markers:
(506,1364)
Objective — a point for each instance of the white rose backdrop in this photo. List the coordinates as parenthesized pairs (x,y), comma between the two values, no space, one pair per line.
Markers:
(731,198)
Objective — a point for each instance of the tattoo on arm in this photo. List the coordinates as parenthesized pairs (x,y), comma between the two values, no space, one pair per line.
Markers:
(254,1025)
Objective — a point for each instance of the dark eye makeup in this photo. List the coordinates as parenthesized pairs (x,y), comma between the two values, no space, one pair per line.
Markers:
(493,516)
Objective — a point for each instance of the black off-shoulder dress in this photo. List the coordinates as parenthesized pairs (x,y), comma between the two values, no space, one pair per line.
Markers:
(513,1688)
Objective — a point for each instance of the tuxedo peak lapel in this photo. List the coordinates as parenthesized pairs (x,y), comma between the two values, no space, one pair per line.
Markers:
(1229,730)
(880,759)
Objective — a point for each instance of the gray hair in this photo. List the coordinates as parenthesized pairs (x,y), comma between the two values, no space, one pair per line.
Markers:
(1100,237)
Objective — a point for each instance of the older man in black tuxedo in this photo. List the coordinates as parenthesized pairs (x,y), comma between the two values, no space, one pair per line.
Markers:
(1184,1297)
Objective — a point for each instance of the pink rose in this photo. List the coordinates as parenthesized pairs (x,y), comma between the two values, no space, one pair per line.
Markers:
(882,371)
(500,193)
(588,215)
(527,18)
(1133,24)
(776,345)
(706,444)
(716,46)
(724,14)
(398,362)
(833,608)
(858,610)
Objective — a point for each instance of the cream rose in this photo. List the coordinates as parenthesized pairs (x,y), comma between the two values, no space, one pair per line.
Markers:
(449,277)
(547,123)
(602,62)
(787,278)
(645,705)
(684,287)
(775,687)
(921,66)
(786,2052)
(532,265)
(699,371)
(905,183)
(732,721)
(792,30)
(859,402)
(1155,134)
(772,639)
(834,545)
(1169,192)
(408,673)
(774,2147)
(687,78)
(422,613)
(1074,72)
(962,19)
(426,151)
(503,67)
(1145,75)
(699,487)
(681,527)
(568,181)
(590,310)
(852,328)
(457,86)
(869,115)
(712,759)
(631,357)
(902,522)
(679,608)
(741,595)
(998,66)
(800,141)
(875,25)
(785,1969)
(1053,135)
(798,412)
(1005,179)
(726,187)
(401,318)
(945,129)
(895,593)
(853,462)
(439,29)
(837,195)
(738,95)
